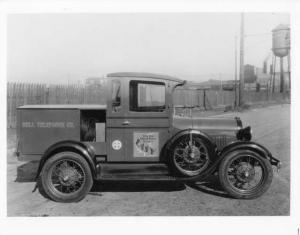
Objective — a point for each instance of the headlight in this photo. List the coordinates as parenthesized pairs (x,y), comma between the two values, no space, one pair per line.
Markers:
(244,134)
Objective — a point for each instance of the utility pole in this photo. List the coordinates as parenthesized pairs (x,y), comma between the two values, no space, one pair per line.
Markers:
(221,87)
(235,72)
(241,61)
(289,69)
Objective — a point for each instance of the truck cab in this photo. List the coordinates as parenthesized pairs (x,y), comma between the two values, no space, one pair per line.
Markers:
(137,136)
(138,116)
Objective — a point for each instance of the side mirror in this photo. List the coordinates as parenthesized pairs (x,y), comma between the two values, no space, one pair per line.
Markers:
(116,102)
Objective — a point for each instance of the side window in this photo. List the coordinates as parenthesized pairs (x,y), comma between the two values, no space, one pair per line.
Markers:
(147,96)
(116,95)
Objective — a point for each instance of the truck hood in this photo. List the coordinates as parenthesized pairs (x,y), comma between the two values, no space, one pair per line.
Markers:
(209,125)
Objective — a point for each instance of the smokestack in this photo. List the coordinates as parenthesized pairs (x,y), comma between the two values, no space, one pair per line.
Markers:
(271,68)
(265,66)
(265,63)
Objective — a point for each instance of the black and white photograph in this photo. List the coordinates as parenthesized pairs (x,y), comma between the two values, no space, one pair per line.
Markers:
(157,113)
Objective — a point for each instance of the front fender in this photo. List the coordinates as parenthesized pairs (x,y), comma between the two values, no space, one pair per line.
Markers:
(238,145)
(69,145)
(250,145)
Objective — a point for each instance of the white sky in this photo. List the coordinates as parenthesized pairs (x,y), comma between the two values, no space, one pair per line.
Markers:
(57,48)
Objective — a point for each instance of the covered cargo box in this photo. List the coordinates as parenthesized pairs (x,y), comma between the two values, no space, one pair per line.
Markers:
(40,126)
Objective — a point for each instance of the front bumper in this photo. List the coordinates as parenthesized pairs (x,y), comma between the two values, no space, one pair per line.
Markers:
(275,162)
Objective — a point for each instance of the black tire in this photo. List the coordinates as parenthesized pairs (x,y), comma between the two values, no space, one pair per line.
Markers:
(74,175)
(242,166)
(204,153)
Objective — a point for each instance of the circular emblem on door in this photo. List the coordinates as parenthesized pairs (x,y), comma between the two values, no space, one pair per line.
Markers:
(116,144)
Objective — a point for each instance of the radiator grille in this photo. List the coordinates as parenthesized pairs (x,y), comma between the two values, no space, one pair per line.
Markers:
(222,141)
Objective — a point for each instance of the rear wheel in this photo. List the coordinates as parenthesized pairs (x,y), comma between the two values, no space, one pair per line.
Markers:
(66,177)
(245,174)
(190,157)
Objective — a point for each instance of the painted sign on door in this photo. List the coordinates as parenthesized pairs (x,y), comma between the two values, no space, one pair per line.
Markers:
(145,144)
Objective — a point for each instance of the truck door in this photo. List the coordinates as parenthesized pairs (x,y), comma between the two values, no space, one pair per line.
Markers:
(114,121)
(146,120)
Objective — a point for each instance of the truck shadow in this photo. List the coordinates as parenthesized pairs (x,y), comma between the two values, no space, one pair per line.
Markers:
(137,186)
(211,185)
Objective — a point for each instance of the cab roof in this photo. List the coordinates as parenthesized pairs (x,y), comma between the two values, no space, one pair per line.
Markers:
(65,106)
(145,75)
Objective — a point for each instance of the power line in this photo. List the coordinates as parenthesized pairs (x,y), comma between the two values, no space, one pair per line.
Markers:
(257,34)
(261,34)
(241,88)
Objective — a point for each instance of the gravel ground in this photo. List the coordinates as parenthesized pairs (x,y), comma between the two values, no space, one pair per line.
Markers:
(271,127)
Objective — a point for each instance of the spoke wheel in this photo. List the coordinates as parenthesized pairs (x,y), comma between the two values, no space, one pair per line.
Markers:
(245,174)
(66,177)
(190,157)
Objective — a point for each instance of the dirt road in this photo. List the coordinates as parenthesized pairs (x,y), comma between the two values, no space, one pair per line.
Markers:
(271,127)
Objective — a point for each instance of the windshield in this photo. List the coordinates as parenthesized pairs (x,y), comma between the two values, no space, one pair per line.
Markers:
(147,96)
(186,99)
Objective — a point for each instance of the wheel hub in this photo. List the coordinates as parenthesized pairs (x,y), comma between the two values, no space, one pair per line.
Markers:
(191,154)
(245,172)
(69,176)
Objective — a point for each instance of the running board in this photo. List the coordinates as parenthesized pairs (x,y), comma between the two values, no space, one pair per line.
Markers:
(134,171)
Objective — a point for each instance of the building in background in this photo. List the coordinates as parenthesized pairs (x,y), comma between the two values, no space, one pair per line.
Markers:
(263,79)
(250,73)
(95,81)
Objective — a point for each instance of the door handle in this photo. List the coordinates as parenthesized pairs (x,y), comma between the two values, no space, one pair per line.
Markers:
(126,123)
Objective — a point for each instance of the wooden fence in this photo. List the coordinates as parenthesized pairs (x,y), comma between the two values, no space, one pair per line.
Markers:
(220,98)
(19,94)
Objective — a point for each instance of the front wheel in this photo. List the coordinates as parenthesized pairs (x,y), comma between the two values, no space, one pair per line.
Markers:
(66,177)
(245,174)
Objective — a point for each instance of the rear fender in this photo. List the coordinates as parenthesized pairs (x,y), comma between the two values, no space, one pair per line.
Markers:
(69,145)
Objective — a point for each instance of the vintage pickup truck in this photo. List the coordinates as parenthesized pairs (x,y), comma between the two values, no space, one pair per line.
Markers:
(136,136)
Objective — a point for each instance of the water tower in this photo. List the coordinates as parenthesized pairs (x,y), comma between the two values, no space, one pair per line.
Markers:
(281,49)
